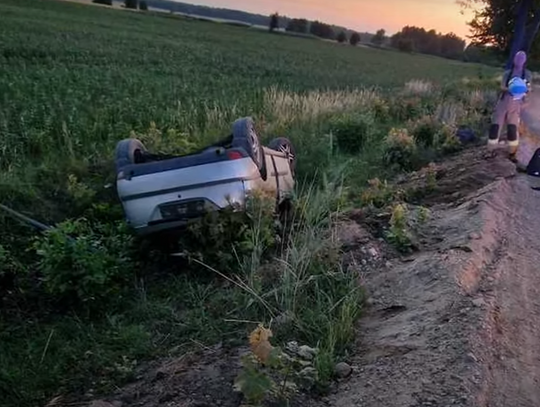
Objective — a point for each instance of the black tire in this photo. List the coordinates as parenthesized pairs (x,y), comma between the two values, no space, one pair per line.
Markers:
(284,145)
(127,151)
(244,136)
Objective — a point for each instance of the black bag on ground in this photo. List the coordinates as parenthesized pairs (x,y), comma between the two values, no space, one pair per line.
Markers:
(533,170)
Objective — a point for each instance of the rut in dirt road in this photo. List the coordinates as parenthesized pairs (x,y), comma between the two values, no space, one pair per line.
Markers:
(510,336)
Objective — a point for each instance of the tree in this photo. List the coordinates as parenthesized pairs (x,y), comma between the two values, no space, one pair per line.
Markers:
(481,54)
(379,37)
(355,39)
(428,42)
(133,4)
(507,25)
(298,25)
(342,37)
(321,30)
(404,45)
(143,6)
(274,22)
(451,46)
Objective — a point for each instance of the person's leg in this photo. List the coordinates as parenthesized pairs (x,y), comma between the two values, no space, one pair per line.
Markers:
(497,122)
(513,118)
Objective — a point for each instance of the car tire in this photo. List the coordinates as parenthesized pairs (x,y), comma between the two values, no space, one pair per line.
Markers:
(245,136)
(284,145)
(127,151)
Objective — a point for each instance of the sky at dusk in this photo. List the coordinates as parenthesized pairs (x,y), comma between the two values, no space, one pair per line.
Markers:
(362,15)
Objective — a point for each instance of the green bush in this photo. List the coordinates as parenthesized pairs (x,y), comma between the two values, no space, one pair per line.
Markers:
(400,151)
(221,239)
(449,143)
(425,132)
(352,132)
(381,110)
(404,109)
(398,233)
(85,263)
(9,265)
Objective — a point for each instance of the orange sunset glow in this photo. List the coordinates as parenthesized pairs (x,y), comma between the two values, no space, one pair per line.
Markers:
(362,15)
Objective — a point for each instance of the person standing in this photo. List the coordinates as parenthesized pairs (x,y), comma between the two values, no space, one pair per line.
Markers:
(515,85)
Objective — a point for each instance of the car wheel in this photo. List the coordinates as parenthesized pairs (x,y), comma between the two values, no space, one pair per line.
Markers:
(284,145)
(245,136)
(128,151)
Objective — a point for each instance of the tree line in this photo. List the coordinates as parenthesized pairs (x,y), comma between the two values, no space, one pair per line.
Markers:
(409,39)
(323,30)
(416,39)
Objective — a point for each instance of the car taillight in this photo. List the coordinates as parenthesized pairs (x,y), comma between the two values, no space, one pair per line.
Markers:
(234,155)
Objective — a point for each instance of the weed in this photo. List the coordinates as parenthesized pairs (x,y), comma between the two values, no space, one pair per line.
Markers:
(423,215)
(379,194)
(399,233)
(352,132)
(449,141)
(425,131)
(85,263)
(233,234)
(431,177)
(400,150)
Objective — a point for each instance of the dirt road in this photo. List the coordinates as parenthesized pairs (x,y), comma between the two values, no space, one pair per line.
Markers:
(510,335)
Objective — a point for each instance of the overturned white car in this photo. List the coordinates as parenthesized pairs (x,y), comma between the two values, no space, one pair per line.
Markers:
(162,192)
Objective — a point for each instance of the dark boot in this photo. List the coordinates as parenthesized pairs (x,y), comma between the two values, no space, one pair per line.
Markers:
(494,130)
(513,142)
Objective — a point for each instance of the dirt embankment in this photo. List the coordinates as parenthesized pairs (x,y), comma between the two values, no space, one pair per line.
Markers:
(458,324)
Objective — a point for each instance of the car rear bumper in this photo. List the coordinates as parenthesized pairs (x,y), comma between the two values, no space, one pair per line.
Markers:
(144,213)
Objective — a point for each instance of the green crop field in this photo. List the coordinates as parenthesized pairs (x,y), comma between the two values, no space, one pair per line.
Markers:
(75,79)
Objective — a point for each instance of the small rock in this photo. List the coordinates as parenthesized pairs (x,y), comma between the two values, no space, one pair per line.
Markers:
(471,357)
(463,248)
(309,372)
(370,301)
(159,376)
(166,397)
(283,319)
(475,236)
(464,311)
(305,352)
(292,347)
(373,252)
(479,302)
(343,370)
(388,264)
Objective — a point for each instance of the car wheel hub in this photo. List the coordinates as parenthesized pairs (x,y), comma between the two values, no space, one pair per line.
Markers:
(286,149)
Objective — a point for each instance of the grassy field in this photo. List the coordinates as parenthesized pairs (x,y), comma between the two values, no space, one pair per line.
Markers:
(76,79)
